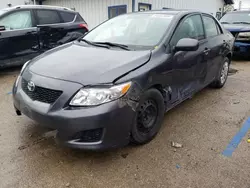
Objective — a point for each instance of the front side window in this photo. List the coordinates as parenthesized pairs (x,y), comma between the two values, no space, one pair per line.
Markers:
(47,17)
(191,27)
(210,26)
(17,20)
(132,29)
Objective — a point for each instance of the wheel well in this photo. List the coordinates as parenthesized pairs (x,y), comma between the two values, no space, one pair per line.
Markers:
(162,91)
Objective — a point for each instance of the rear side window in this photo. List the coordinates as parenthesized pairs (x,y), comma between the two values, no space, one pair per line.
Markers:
(47,17)
(67,16)
(210,26)
(191,27)
(79,18)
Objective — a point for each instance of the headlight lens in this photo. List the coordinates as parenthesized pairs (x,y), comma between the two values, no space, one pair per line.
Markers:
(97,96)
(244,36)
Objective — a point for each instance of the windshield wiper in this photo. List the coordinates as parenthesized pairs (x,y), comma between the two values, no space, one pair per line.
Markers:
(122,46)
(225,22)
(241,23)
(91,43)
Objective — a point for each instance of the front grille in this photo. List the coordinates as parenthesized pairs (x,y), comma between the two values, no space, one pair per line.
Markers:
(41,94)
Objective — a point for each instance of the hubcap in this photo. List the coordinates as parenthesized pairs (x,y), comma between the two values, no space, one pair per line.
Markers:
(147,116)
(224,72)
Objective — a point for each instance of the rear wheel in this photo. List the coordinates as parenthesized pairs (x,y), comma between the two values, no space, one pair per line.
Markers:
(149,117)
(222,75)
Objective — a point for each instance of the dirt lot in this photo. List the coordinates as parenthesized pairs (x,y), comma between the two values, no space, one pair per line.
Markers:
(204,125)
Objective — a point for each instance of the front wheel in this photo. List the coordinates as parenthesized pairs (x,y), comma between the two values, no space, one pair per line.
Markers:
(222,76)
(149,117)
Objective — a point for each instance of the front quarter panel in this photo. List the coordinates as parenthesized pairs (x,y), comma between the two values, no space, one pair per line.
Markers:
(158,72)
(229,43)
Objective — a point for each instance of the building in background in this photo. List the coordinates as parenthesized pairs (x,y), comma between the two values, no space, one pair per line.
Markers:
(10,3)
(97,11)
(242,4)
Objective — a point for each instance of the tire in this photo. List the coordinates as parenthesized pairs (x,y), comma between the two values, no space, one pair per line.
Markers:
(221,78)
(149,117)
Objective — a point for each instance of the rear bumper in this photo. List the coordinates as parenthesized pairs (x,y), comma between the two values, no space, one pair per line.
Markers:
(109,123)
(242,49)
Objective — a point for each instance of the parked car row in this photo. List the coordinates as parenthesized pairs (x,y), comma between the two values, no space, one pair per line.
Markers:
(113,85)
(238,23)
(28,31)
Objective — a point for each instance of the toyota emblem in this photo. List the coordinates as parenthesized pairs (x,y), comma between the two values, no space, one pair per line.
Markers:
(31,86)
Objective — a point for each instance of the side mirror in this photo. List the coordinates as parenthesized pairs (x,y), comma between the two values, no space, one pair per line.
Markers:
(2,28)
(187,44)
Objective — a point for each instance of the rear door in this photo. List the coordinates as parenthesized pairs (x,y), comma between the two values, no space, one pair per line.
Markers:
(216,47)
(189,67)
(19,41)
(54,25)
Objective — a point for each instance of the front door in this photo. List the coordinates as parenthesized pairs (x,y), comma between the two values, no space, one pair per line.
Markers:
(19,40)
(189,67)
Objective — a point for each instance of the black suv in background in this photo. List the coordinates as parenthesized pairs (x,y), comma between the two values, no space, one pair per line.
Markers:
(29,30)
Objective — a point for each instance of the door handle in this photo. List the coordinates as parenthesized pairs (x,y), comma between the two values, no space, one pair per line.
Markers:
(206,51)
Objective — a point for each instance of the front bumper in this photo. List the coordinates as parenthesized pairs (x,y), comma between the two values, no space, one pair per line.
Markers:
(110,123)
(242,49)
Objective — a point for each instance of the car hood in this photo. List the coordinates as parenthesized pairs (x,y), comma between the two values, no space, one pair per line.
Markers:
(237,28)
(87,65)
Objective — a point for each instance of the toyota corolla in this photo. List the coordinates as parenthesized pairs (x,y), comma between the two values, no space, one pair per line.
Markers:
(113,86)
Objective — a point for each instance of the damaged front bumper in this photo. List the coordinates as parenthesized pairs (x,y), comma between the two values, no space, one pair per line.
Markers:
(100,127)
(103,127)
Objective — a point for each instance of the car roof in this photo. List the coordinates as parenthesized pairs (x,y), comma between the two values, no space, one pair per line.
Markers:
(37,7)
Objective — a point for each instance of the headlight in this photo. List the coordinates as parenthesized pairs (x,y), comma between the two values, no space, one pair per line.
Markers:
(24,66)
(244,36)
(97,96)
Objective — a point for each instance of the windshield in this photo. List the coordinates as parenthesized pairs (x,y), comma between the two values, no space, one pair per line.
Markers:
(236,17)
(132,29)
